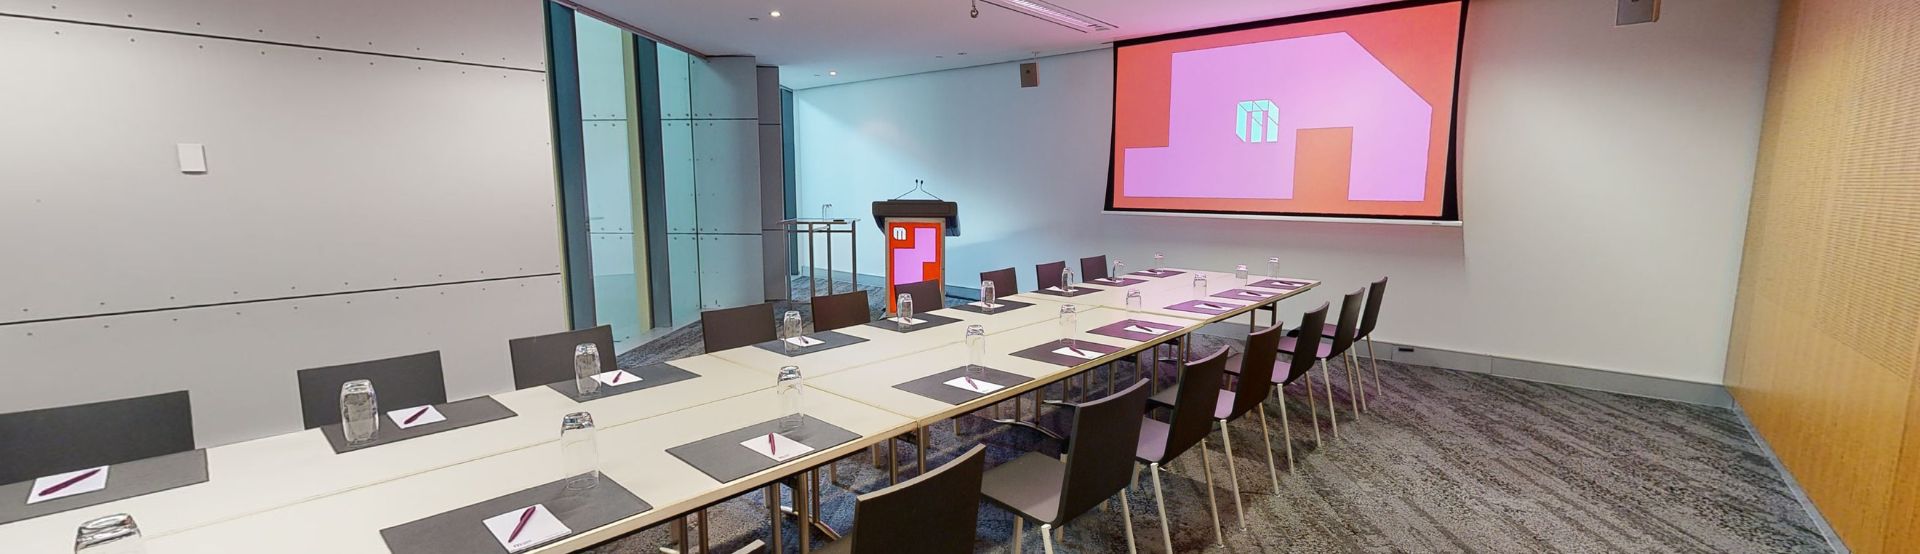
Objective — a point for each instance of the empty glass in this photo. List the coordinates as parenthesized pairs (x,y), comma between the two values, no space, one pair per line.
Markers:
(976,351)
(826,211)
(1199,285)
(903,312)
(988,295)
(1069,325)
(790,328)
(114,534)
(1159,261)
(586,364)
(1240,272)
(359,411)
(1119,270)
(1273,267)
(1134,301)
(788,388)
(580,454)
(1066,280)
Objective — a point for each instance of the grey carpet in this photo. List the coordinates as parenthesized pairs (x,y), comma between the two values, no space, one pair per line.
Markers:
(1447,462)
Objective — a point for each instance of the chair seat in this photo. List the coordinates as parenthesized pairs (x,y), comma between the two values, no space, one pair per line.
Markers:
(1029,485)
(1221,407)
(1287,345)
(1153,441)
(1326,330)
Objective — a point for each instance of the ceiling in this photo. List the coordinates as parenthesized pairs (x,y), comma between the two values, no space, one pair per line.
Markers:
(872,39)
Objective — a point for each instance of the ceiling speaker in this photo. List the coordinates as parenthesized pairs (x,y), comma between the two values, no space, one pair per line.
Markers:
(1632,12)
(1029,75)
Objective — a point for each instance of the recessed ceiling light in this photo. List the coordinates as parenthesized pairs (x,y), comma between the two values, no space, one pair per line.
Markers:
(1040,9)
(833,73)
(776,13)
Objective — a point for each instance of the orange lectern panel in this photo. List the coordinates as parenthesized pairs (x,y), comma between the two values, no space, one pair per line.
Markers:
(916,251)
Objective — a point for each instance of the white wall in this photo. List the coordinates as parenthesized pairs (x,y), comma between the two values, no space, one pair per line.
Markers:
(333,177)
(1605,174)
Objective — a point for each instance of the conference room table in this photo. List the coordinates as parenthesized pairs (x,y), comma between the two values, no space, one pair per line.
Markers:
(292,493)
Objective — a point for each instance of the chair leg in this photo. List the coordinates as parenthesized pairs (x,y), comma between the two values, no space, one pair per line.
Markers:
(1019,533)
(1312,409)
(1046,537)
(1374,363)
(1233,474)
(1213,506)
(1356,386)
(1326,374)
(1160,501)
(1126,513)
(1273,472)
(1286,430)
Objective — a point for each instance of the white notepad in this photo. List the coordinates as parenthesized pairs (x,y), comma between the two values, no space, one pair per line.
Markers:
(419,415)
(1083,354)
(986,305)
(1217,307)
(804,342)
(909,321)
(1147,330)
(1251,294)
(540,526)
(67,484)
(616,378)
(781,449)
(974,385)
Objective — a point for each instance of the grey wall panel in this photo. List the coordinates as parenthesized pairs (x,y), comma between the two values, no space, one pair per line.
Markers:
(727,175)
(730,270)
(724,88)
(683,261)
(773,173)
(677,161)
(676,99)
(609,177)
(767,94)
(603,78)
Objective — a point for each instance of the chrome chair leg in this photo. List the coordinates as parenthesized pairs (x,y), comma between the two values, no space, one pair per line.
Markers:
(1287,430)
(1374,363)
(1326,372)
(1126,513)
(1160,501)
(1273,472)
(1213,506)
(1046,537)
(1233,474)
(1356,393)
(1019,533)
(1313,410)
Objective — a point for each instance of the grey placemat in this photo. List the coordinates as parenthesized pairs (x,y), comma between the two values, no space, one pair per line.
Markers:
(722,458)
(1282,284)
(1194,306)
(1045,353)
(932,321)
(1005,306)
(1119,330)
(829,340)
(1157,273)
(124,480)
(935,386)
(1117,282)
(462,531)
(1235,294)
(651,375)
(465,413)
(1078,290)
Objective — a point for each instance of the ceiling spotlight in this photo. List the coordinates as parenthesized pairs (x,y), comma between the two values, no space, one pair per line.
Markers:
(833,74)
(1055,14)
(776,13)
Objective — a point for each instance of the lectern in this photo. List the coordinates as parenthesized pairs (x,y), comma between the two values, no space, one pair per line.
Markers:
(916,232)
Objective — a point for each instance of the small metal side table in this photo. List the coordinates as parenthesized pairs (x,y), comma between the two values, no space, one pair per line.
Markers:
(817,231)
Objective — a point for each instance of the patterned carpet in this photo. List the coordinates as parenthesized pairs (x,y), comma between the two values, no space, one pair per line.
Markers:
(1447,462)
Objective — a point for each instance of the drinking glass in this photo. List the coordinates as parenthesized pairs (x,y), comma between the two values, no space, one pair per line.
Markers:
(580,454)
(790,328)
(903,314)
(976,351)
(1066,280)
(1159,261)
(1134,301)
(1119,270)
(1240,272)
(788,389)
(1069,325)
(1199,285)
(826,211)
(114,534)
(359,411)
(988,296)
(1273,267)
(586,364)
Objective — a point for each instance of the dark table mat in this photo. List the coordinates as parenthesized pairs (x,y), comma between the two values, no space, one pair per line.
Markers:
(1151,273)
(1193,306)
(935,386)
(1232,294)
(931,321)
(1045,353)
(1078,290)
(651,375)
(1119,282)
(1282,284)
(1119,330)
(462,530)
(124,480)
(722,458)
(830,340)
(1005,306)
(465,413)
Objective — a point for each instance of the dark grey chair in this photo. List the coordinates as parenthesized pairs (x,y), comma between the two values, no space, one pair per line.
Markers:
(1193,412)
(730,328)
(1295,367)
(1092,468)
(406,381)
(1248,392)
(1325,350)
(925,294)
(935,512)
(1094,268)
(545,359)
(1047,275)
(1005,281)
(1368,320)
(847,309)
(51,441)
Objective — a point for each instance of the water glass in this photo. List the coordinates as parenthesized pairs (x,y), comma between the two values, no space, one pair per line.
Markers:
(1159,261)
(826,211)
(586,364)
(1066,280)
(1240,272)
(1069,324)
(1134,301)
(976,351)
(988,295)
(788,388)
(903,312)
(359,411)
(114,534)
(1273,267)
(1119,270)
(1199,285)
(790,328)
(580,454)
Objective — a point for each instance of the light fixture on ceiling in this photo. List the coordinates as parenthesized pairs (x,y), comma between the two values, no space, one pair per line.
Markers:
(833,74)
(776,13)
(1051,13)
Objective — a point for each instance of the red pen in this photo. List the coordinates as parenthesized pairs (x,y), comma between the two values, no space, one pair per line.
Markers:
(616,377)
(517,528)
(772,447)
(69,482)
(970,383)
(416,415)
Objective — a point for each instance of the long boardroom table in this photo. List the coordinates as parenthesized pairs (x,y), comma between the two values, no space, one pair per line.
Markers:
(292,493)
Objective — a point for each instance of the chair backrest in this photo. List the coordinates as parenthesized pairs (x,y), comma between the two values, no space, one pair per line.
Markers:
(1005,281)
(402,382)
(925,294)
(1305,351)
(1048,274)
(1094,268)
(1256,371)
(1194,403)
(549,358)
(50,441)
(935,512)
(730,328)
(1372,316)
(1349,325)
(1100,451)
(846,309)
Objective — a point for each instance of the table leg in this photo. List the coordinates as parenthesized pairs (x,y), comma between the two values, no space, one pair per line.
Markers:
(806,515)
(922,435)
(704,539)
(893,461)
(774,515)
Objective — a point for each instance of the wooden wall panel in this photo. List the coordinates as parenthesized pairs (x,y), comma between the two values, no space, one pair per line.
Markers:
(1826,331)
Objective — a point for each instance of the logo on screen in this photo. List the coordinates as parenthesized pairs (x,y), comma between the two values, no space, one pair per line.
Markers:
(899,233)
(1257,121)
